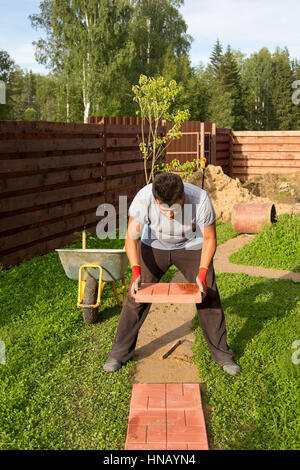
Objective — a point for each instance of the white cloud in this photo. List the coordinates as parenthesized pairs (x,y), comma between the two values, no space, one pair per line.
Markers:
(247,25)
(23,56)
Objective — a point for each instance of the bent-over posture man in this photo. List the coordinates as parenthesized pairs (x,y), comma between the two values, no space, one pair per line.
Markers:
(178,223)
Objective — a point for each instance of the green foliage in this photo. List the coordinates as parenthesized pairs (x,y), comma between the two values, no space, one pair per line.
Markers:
(185,169)
(154,97)
(101,48)
(282,93)
(277,246)
(29,114)
(6,71)
(225,232)
(258,409)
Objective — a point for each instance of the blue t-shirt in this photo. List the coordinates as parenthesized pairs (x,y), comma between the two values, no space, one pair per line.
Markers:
(182,232)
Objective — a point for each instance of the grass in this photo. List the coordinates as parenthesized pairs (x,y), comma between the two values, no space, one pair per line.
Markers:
(55,395)
(277,246)
(259,409)
(225,232)
(53,391)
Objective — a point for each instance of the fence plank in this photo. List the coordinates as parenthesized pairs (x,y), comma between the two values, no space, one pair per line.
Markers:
(23,165)
(47,229)
(273,140)
(46,197)
(268,163)
(268,156)
(266,148)
(266,133)
(46,179)
(52,213)
(40,127)
(38,145)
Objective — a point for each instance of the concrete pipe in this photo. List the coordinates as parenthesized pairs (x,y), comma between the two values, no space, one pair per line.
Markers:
(252,218)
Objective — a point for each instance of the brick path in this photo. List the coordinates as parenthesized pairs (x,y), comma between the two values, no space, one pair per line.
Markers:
(169,416)
(166,417)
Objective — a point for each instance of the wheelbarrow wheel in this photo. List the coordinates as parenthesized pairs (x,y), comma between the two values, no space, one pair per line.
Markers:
(90,314)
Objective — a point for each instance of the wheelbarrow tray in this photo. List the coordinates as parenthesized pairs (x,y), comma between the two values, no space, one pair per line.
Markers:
(113,262)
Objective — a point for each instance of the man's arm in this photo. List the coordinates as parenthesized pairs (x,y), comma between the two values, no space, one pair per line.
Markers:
(132,250)
(209,244)
(207,254)
(132,241)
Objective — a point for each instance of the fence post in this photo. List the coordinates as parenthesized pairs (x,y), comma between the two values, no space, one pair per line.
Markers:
(230,153)
(202,139)
(105,157)
(213,156)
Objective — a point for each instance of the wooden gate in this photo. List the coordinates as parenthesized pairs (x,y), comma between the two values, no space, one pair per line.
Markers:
(198,140)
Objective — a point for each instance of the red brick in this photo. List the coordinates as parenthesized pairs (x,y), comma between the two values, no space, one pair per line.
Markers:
(183,288)
(177,446)
(169,293)
(147,417)
(148,388)
(195,446)
(156,433)
(145,446)
(193,391)
(139,402)
(174,389)
(194,417)
(175,418)
(182,403)
(187,434)
(157,401)
(136,434)
(161,288)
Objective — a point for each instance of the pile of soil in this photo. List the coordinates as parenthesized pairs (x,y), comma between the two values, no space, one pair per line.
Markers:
(282,188)
(225,192)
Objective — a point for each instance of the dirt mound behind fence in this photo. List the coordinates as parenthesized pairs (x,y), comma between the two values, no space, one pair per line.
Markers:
(225,192)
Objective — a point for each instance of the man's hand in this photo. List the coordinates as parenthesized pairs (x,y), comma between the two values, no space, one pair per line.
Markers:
(136,279)
(201,280)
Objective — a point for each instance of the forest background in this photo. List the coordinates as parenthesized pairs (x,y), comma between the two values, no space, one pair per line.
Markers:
(95,52)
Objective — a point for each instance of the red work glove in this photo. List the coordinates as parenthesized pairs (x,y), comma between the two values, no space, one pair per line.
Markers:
(201,280)
(136,279)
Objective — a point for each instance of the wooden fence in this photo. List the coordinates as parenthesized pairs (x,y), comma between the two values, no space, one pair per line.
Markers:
(53,176)
(198,140)
(201,139)
(222,155)
(257,152)
(241,154)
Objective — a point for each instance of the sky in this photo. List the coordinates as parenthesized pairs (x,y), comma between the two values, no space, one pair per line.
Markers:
(247,25)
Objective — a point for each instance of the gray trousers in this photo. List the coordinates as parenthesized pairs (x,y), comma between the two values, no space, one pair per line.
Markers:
(154,263)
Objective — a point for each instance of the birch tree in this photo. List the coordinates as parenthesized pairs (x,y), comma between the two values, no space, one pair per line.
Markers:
(84,38)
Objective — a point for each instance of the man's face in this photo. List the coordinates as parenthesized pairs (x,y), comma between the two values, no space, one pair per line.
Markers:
(170,211)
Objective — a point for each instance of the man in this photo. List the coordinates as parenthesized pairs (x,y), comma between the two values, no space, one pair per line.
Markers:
(179,229)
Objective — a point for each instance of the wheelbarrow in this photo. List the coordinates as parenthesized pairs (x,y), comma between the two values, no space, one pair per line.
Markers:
(94,268)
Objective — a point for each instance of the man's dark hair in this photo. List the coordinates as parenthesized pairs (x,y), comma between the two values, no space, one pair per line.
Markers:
(167,188)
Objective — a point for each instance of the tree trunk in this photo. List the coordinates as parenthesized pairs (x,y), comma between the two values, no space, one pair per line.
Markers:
(68,104)
(85,93)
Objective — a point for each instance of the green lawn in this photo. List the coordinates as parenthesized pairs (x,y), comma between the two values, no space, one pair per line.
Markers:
(260,408)
(225,232)
(55,395)
(278,246)
(53,391)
